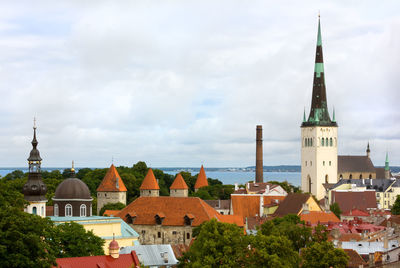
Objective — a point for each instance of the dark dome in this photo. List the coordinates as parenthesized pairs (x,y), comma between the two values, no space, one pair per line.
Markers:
(34,189)
(72,188)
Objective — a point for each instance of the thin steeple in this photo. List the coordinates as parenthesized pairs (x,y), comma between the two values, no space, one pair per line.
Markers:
(387,161)
(319,114)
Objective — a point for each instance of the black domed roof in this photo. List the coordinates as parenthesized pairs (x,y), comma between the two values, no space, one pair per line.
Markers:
(72,188)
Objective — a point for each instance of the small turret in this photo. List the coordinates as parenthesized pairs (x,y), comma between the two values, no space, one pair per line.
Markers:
(368,150)
(387,168)
(114,248)
(149,185)
(179,187)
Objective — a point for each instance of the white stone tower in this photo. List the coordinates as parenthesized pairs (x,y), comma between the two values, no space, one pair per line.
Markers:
(318,135)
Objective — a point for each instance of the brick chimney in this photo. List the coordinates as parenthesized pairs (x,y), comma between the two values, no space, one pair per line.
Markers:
(259,156)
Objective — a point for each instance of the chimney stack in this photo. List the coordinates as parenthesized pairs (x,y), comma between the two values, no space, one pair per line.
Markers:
(259,156)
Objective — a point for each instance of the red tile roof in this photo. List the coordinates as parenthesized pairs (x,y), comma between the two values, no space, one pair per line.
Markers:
(245,205)
(124,260)
(350,200)
(201,179)
(174,209)
(233,219)
(355,260)
(315,217)
(149,182)
(112,182)
(179,183)
(273,200)
(109,212)
(355,212)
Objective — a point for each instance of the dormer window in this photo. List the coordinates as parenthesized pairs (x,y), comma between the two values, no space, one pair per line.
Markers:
(130,217)
(159,218)
(189,219)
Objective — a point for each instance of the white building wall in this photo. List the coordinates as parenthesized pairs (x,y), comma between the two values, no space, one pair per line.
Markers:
(318,162)
(40,208)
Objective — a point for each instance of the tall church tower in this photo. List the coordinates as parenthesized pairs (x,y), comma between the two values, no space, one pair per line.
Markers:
(35,190)
(318,135)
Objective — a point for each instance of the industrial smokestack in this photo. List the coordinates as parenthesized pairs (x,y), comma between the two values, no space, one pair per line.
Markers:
(259,156)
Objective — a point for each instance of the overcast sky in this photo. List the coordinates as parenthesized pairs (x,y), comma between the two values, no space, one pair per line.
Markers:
(184,83)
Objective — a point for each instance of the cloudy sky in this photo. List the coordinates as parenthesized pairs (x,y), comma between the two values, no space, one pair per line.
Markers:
(184,83)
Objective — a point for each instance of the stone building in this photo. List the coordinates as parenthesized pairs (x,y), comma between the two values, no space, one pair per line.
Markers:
(111,189)
(34,189)
(179,187)
(319,134)
(201,180)
(149,185)
(72,198)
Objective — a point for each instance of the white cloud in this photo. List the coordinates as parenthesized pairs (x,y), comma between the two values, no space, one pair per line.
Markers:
(181,83)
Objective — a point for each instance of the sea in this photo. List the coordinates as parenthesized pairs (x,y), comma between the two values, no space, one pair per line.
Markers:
(227,177)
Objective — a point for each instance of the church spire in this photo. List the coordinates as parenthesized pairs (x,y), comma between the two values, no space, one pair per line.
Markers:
(319,114)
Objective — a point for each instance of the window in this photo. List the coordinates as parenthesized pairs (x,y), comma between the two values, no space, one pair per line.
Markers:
(56,210)
(90,210)
(143,232)
(305,142)
(330,163)
(159,234)
(42,211)
(187,236)
(310,163)
(174,232)
(83,210)
(322,142)
(311,141)
(68,210)
(341,176)
(370,176)
(360,176)
(34,211)
(306,163)
(326,178)
(331,142)
(351,176)
(323,163)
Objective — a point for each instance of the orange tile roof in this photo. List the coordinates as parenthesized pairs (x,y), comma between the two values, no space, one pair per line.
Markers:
(179,183)
(315,217)
(124,260)
(346,237)
(149,182)
(233,219)
(112,182)
(109,212)
(245,205)
(201,179)
(173,208)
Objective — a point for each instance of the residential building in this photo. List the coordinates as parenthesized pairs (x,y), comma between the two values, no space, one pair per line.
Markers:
(111,189)
(296,203)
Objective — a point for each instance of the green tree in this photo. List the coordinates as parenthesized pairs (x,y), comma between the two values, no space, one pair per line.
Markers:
(396,206)
(72,240)
(336,209)
(10,196)
(323,255)
(23,239)
(217,245)
(112,206)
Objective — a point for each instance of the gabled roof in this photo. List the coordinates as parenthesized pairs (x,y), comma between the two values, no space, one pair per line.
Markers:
(292,204)
(149,182)
(348,200)
(179,183)
(355,260)
(355,213)
(201,179)
(112,182)
(260,186)
(245,205)
(110,212)
(124,260)
(315,217)
(173,208)
(355,163)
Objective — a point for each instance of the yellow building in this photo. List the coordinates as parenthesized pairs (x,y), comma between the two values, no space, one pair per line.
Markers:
(296,203)
(105,227)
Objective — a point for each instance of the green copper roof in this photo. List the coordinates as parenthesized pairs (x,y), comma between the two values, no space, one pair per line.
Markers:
(319,68)
(387,162)
(319,40)
(304,115)
(333,115)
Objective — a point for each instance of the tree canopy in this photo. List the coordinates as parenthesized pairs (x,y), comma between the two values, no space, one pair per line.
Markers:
(112,206)
(396,206)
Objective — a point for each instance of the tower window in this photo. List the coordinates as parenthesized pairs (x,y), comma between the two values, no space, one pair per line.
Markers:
(310,163)
(159,234)
(351,176)
(330,163)
(305,142)
(187,236)
(323,163)
(360,176)
(311,141)
(306,163)
(34,211)
(42,211)
(56,210)
(68,210)
(322,142)
(331,142)
(83,210)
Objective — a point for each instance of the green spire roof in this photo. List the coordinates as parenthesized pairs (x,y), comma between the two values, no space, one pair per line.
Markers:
(387,162)
(304,115)
(333,115)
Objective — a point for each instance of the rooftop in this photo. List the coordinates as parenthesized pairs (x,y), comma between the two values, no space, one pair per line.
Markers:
(153,255)
(112,182)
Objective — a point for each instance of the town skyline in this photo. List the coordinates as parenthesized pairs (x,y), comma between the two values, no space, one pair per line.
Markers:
(185,84)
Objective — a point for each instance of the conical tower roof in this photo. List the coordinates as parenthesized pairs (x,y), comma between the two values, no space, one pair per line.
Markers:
(149,182)
(319,115)
(179,183)
(201,179)
(112,182)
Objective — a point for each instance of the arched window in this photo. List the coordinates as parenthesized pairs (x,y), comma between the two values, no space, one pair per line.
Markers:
(311,141)
(330,163)
(83,210)
(310,163)
(42,211)
(331,142)
(370,176)
(305,142)
(68,210)
(322,142)
(55,210)
(351,176)
(309,183)
(326,178)
(34,211)
(340,177)
(90,210)
(360,176)
(323,163)
(306,163)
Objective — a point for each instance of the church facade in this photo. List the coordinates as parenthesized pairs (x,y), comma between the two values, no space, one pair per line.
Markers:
(319,135)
